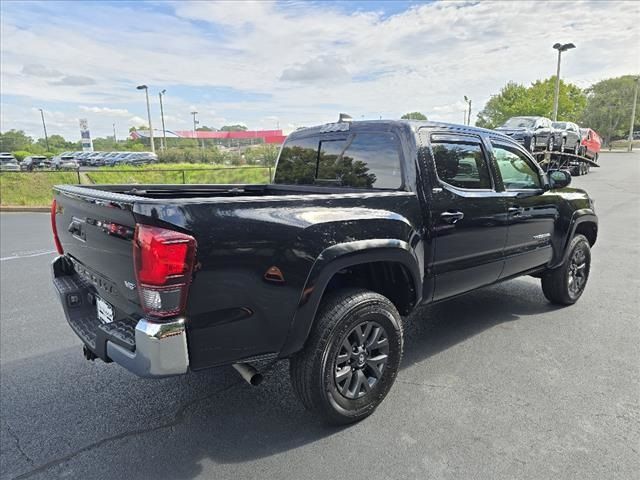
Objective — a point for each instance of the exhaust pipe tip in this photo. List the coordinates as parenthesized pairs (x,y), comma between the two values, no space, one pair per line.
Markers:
(88,354)
(249,373)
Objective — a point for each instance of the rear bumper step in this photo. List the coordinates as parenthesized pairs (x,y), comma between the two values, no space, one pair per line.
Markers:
(146,348)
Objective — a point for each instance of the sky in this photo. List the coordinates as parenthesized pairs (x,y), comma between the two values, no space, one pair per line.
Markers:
(291,63)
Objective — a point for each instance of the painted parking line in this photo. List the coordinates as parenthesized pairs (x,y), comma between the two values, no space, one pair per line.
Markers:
(26,255)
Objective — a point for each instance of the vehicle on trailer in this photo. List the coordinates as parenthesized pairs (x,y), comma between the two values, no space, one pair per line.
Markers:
(591,143)
(35,162)
(531,132)
(65,162)
(8,163)
(567,137)
(363,222)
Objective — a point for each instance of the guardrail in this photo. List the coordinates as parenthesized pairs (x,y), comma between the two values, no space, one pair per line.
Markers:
(183,173)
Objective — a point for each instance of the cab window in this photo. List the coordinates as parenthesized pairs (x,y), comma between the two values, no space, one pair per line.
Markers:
(461,164)
(517,171)
(364,160)
(297,162)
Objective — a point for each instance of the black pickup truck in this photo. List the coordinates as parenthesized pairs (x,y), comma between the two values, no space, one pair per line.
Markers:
(363,221)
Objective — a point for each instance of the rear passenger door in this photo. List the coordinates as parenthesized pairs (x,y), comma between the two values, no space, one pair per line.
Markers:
(467,216)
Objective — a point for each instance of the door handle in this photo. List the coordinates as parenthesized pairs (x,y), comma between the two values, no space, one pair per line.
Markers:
(451,217)
(515,211)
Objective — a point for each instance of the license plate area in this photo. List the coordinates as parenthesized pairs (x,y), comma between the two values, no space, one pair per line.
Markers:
(104,310)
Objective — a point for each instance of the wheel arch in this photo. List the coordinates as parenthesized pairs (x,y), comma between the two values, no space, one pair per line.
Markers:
(584,222)
(356,264)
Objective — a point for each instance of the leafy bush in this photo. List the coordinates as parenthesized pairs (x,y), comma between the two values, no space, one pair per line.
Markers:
(21,155)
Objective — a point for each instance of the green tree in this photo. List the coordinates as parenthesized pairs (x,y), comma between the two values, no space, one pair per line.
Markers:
(265,154)
(608,109)
(517,100)
(414,116)
(234,128)
(14,140)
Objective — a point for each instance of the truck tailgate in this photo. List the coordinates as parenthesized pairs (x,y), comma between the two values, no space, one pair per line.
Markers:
(97,236)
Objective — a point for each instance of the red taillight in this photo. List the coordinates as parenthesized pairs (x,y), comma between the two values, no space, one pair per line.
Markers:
(164,261)
(56,240)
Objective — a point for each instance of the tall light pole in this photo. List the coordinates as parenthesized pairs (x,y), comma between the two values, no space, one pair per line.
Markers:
(146,92)
(115,140)
(164,132)
(44,126)
(561,48)
(468,100)
(633,114)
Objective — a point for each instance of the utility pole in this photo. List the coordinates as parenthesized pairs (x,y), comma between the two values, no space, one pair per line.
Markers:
(561,48)
(115,140)
(44,126)
(633,114)
(146,92)
(164,132)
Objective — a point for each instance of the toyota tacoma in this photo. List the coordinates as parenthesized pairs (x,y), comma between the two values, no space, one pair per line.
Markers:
(362,222)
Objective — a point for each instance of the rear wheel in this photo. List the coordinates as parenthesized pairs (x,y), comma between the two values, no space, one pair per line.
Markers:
(565,284)
(351,358)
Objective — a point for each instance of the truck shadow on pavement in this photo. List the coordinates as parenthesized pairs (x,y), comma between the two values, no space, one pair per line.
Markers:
(62,414)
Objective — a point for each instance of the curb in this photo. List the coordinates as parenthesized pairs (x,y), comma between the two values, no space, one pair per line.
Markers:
(16,209)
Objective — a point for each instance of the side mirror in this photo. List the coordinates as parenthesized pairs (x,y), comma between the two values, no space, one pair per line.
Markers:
(538,127)
(559,179)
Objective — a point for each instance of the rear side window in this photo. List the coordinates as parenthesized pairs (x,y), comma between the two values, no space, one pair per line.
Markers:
(361,160)
(297,162)
(365,160)
(462,164)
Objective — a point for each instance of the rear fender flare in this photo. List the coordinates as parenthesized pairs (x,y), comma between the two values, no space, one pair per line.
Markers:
(336,258)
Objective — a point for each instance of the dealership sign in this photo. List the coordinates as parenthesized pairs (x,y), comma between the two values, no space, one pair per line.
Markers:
(85,136)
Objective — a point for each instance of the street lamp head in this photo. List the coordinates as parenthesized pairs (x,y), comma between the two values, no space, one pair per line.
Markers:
(141,87)
(563,47)
(162,92)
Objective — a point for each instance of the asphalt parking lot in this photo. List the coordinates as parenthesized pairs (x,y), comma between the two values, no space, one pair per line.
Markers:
(497,384)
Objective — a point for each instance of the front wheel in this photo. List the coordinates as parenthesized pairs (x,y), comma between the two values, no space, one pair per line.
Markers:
(351,358)
(565,284)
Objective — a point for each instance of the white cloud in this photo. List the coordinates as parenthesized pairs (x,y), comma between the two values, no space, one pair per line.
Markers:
(114,112)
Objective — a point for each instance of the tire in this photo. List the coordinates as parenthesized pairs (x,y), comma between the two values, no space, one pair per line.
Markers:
(565,284)
(532,144)
(563,145)
(323,373)
(551,144)
(576,148)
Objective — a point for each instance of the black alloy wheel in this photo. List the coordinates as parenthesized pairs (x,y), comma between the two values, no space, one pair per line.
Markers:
(360,362)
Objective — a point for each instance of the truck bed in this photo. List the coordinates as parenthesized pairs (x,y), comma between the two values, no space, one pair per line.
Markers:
(204,191)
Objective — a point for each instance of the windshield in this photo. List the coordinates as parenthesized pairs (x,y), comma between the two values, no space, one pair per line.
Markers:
(7,160)
(519,122)
(560,125)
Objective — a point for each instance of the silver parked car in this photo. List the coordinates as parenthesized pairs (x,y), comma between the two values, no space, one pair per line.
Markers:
(8,163)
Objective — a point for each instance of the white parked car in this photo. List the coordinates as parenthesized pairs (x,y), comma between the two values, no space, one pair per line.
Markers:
(65,162)
(8,163)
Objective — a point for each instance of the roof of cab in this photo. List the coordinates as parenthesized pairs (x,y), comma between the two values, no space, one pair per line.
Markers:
(413,125)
